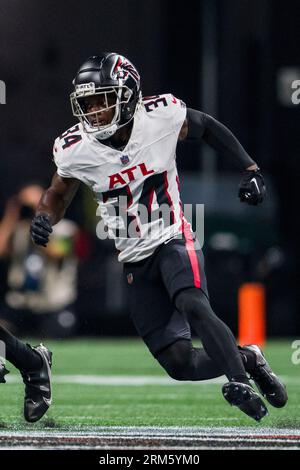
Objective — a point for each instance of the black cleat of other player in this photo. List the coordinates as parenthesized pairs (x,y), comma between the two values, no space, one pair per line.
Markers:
(245,398)
(266,381)
(38,395)
(3,372)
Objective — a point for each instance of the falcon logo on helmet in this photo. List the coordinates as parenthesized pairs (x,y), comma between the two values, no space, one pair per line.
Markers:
(123,68)
(114,80)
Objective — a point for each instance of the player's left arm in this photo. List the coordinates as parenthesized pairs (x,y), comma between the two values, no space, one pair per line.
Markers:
(202,127)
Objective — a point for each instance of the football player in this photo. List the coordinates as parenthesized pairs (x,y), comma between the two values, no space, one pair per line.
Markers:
(123,148)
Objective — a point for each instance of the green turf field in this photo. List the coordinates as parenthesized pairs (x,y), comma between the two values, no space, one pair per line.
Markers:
(95,384)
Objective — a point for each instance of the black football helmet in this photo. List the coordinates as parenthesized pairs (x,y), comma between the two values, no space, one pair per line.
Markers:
(117,80)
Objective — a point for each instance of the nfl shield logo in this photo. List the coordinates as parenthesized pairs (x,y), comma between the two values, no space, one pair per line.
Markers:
(124,159)
(130,278)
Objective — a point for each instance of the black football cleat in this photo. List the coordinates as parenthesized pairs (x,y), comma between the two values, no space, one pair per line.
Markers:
(266,381)
(3,372)
(245,398)
(38,396)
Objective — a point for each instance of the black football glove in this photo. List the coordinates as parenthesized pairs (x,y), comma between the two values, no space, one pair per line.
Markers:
(252,187)
(40,229)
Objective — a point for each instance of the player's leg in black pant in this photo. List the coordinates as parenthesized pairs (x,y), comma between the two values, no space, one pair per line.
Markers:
(160,312)
(182,361)
(34,364)
(166,331)
(217,339)
(182,272)
(220,354)
(18,353)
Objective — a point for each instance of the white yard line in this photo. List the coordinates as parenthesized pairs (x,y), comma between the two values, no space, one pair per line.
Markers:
(134,380)
(137,380)
(68,418)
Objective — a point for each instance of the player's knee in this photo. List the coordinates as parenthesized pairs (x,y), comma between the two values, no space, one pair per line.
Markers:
(194,304)
(176,359)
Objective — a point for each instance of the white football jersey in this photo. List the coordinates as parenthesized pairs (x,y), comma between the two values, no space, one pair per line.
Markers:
(137,188)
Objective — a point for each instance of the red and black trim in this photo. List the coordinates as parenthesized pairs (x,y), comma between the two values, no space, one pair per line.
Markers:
(190,244)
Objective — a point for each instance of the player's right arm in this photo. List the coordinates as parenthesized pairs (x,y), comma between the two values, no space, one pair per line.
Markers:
(52,207)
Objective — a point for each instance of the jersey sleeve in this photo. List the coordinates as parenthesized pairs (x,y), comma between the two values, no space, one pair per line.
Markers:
(178,112)
(65,154)
(175,112)
(169,110)
(58,159)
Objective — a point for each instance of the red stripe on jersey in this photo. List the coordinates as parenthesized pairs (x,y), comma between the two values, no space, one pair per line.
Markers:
(129,203)
(190,246)
(180,203)
(130,198)
(189,243)
(136,225)
(166,185)
(151,199)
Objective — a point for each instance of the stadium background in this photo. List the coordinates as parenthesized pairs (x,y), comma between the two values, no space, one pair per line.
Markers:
(232,59)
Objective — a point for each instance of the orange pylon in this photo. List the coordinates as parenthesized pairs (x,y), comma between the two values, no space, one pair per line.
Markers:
(252,314)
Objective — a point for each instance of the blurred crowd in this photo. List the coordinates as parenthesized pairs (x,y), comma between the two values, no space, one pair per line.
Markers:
(37,282)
